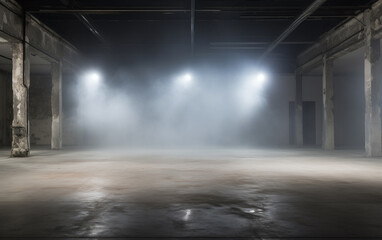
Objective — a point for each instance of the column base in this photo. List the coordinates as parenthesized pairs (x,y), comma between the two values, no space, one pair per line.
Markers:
(373,152)
(326,148)
(19,152)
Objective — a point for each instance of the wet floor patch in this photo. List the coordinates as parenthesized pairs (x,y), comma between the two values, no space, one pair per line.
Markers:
(122,220)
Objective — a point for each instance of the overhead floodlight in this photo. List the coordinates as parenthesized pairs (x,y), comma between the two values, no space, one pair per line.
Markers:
(185,80)
(94,77)
(92,80)
(261,77)
(250,90)
(259,80)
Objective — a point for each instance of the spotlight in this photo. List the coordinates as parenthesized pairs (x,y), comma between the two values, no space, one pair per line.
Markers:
(92,80)
(261,77)
(251,90)
(93,77)
(259,80)
(185,80)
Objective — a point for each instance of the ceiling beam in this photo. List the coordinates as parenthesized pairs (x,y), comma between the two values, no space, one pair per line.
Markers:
(300,19)
(85,20)
(259,43)
(341,40)
(235,9)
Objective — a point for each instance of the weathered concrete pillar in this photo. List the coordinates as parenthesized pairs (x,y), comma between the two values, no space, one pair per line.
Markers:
(298,111)
(56,101)
(372,91)
(328,105)
(20,87)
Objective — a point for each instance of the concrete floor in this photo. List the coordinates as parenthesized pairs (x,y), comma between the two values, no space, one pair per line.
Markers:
(219,194)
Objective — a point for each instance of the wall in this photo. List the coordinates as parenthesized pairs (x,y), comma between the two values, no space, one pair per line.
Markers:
(276,116)
(270,127)
(71,127)
(5,108)
(267,126)
(349,100)
(40,109)
(312,91)
(349,111)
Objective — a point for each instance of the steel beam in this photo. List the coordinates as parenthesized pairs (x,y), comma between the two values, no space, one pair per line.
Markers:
(341,40)
(300,19)
(14,23)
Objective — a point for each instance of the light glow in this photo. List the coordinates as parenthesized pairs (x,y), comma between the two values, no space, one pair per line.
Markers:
(261,77)
(92,80)
(259,80)
(94,77)
(187,215)
(187,77)
(251,90)
(185,80)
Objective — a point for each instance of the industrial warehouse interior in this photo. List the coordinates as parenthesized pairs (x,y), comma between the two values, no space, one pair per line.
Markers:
(190,119)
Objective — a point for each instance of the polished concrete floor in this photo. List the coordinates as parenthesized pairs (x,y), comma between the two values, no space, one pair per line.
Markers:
(190,194)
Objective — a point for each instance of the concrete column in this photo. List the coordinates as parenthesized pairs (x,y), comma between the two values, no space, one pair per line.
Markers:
(56,101)
(372,91)
(298,111)
(20,87)
(328,106)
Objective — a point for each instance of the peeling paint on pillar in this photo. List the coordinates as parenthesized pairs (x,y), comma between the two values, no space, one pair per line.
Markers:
(20,87)
(328,105)
(373,139)
(56,101)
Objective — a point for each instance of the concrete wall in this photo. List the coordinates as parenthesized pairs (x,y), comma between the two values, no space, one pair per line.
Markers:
(269,126)
(72,134)
(40,109)
(312,91)
(349,111)
(274,117)
(349,107)
(5,108)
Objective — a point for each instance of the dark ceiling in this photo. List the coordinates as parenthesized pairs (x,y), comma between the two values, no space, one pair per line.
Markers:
(142,29)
